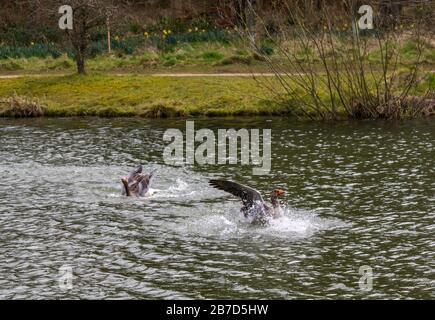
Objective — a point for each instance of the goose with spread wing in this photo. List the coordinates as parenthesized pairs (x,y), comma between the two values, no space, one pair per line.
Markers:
(137,183)
(254,207)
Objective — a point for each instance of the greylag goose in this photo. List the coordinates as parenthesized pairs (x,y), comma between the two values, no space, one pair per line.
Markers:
(137,183)
(254,207)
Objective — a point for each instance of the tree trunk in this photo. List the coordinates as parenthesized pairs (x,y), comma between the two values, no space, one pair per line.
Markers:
(109,38)
(79,42)
(80,61)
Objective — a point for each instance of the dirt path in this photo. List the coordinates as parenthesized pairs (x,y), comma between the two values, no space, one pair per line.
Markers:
(213,75)
(173,75)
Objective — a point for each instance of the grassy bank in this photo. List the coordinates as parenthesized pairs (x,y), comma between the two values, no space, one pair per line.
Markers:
(147,96)
(139,95)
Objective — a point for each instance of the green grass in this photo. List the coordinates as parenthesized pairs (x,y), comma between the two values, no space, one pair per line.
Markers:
(40,50)
(136,94)
(187,57)
(149,96)
(213,56)
(130,95)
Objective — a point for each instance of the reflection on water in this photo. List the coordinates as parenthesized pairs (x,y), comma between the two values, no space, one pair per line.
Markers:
(357,194)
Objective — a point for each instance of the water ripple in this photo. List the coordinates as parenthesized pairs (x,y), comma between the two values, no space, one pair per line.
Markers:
(358,194)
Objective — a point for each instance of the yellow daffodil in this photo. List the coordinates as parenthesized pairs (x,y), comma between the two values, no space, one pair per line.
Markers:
(190,30)
(196,29)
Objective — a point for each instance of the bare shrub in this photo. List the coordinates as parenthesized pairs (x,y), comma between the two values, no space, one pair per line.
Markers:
(332,68)
(21,107)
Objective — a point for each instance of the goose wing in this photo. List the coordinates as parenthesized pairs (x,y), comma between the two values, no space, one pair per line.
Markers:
(249,196)
(139,182)
(134,174)
(145,182)
(132,180)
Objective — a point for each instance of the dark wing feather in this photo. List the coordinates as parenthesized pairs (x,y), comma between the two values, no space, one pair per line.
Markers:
(249,196)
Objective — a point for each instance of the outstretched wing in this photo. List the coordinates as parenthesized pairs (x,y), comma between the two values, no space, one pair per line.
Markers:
(139,183)
(249,196)
(135,173)
(145,182)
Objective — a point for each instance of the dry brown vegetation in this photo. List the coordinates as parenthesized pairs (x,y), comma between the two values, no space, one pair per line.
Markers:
(21,107)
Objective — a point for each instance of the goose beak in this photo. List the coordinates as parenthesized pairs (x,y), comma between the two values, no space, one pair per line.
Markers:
(280,192)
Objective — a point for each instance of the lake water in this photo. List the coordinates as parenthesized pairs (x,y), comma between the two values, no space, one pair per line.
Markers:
(358,194)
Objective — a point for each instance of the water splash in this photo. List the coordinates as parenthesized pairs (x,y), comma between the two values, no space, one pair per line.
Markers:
(300,223)
(293,224)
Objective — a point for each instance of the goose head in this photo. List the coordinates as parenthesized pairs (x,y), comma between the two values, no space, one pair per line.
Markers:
(274,195)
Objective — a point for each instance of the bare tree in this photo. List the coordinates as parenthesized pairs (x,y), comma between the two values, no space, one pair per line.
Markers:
(87,15)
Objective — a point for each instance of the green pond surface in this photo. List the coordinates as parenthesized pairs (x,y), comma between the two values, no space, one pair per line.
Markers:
(359,194)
